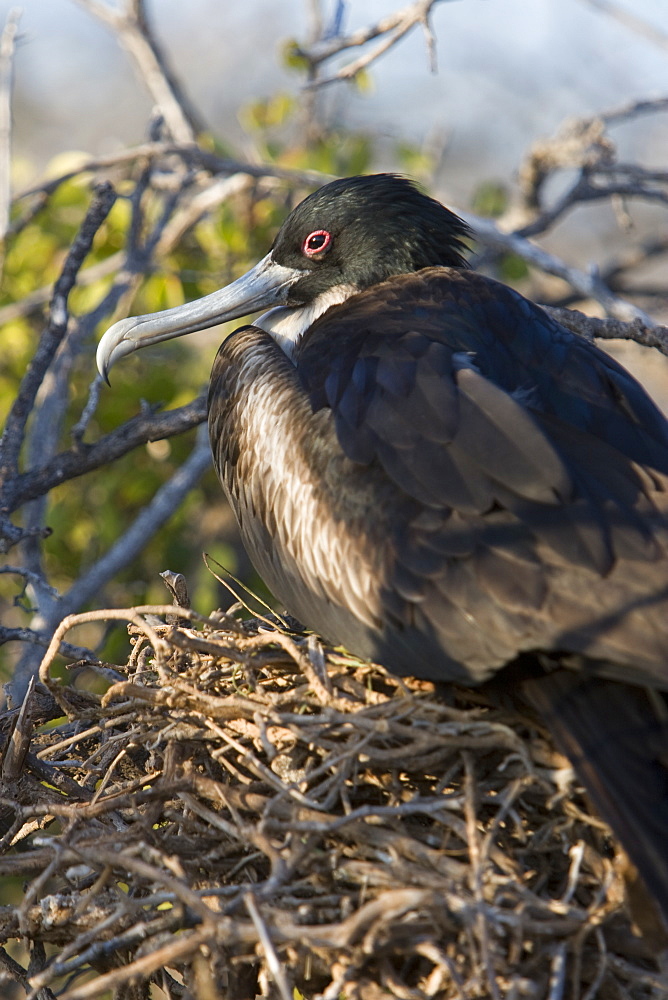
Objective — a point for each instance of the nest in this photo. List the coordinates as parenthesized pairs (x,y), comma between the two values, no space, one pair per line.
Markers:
(247,813)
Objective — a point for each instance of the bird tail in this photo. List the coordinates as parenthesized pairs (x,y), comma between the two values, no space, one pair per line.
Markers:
(616,737)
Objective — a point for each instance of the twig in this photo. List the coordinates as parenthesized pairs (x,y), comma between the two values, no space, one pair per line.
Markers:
(634,256)
(558,973)
(477,861)
(394,27)
(88,412)
(11,968)
(35,300)
(334,42)
(98,948)
(585,145)
(352,902)
(29,635)
(27,575)
(273,962)
(643,106)
(193,156)
(187,944)
(211,197)
(120,614)
(150,519)
(117,614)
(585,190)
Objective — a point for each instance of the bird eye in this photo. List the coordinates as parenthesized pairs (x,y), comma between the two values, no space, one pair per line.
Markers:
(316,243)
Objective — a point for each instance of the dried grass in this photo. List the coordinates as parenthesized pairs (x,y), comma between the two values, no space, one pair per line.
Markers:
(243,814)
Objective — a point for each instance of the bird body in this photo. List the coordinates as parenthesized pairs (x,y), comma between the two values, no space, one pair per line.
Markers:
(447,578)
(428,469)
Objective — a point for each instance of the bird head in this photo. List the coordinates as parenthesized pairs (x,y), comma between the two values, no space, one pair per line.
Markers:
(343,238)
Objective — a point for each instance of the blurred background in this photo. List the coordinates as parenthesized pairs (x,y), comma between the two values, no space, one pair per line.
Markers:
(508,72)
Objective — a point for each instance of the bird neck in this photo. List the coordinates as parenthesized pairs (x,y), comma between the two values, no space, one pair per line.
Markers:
(288,324)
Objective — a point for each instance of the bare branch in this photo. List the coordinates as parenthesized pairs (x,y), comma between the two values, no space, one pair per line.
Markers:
(51,403)
(132,29)
(211,197)
(643,106)
(585,145)
(275,966)
(586,189)
(146,426)
(192,156)
(12,438)
(29,635)
(590,327)
(151,518)
(589,286)
(35,300)
(403,20)
(394,27)
(88,412)
(26,574)
(632,257)
(7,46)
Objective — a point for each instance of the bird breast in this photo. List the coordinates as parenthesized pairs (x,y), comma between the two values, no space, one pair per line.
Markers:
(302,506)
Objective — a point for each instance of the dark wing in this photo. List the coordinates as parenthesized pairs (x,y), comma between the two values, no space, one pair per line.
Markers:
(538,464)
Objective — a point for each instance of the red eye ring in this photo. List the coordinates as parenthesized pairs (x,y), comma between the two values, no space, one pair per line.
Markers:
(316,242)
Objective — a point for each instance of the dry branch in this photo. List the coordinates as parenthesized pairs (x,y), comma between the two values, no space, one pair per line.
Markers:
(378,839)
(588,286)
(592,328)
(133,31)
(145,426)
(390,30)
(7,49)
(13,434)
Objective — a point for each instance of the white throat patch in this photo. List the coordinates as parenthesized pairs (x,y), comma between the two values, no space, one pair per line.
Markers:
(288,324)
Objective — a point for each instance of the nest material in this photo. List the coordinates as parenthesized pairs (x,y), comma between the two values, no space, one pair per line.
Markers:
(244,814)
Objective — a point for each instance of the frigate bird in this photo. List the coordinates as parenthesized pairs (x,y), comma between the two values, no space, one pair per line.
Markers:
(430,470)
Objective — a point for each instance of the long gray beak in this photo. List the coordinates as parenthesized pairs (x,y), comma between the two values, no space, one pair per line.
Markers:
(266,284)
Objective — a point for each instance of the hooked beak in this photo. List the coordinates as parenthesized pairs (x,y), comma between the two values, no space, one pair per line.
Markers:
(266,284)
